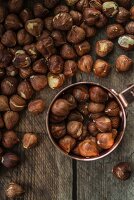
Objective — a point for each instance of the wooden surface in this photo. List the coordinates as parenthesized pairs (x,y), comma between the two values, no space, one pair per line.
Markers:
(48,175)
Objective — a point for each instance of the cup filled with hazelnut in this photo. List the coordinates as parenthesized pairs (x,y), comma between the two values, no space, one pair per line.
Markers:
(87,121)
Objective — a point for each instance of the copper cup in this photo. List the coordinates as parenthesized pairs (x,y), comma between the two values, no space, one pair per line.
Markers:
(124,99)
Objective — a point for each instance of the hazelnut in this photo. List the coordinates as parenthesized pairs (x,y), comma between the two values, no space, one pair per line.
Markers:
(50,3)
(98,94)
(36,106)
(89,30)
(91,16)
(114,30)
(48,22)
(17,103)
(39,10)
(25,72)
(62,21)
(2,14)
(92,129)
(55,80)
(82,4)
(21,59)
(126,42)
(11,71)
(123,63)
(25,90)
(132,13)
(9,139)
(58,38)
(122,171)
(56,119)
(14,190)
(10,160)
(29,140)
(112,109)
(75,116)
(115,122)
(34,27)
(130,28)
(9,85)
(103,124)
(4,104)
(61,8)
(110,8)
(24,38)
(40,66)
(73,38)
(58,130)
(97,4)
(70,98)
(95,107)
(38,82)
(124,3)
(101,68)
(31,51)
(103,47)
(70,68)
(67,143)
(122,16)
(71,2)
(26,15)
(67,52)
(85,63)
(5,58)
(102,21)
(13,22)
(105,140)
(56,64)
(76,16)
(15,6)
(11,118)
(80,93)
(82,48)
(74,128)
(9,38)
(83,108)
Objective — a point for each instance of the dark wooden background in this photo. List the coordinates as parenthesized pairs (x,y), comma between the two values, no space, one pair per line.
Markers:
(48,175)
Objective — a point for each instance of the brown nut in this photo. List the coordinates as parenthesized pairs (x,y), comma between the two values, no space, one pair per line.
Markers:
(21,59)
(39,10)
(38,82)
(122,171)
(71,2)
(74,38)
(132,13)
(31,51)
(15,6)
(5,58)
(2,14)
(105,140)
(103,124)
(9,39)
(123,63)
(29,140)
(58,130)
(81,93)
(61,8)
(77,16)
(10,160)
(82,4)
(82,48)
(13,22)
(25,72)
(36,106)
(112,109)
(83,108)
(55,80)
(68,52)
(115,122)
(130,28)
(103,47)
(14,190)
(67,143)
(75,116)
(114,30)
(126,42)
(110,8)
(4,104)
(17,103)
(11,71)
(92,129)
(85,63)
(55,64)
(122,16)
(26,15)
(102,21)
(89,30)
(101,68)
(72,101)
(48,23)
(40,66)
(70,68)
(50,3)
(24,38)
(91,16)
(62,21)
(74,128)
(98,94)
(97,4)
(95,107)
(9,139)
(11,118)
(25,90)
(34,27)
(58,38)
(9,85)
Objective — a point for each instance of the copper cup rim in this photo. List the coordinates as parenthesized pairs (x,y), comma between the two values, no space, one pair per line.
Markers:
(117,142)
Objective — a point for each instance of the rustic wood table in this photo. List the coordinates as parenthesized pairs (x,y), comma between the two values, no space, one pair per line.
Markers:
(48,175)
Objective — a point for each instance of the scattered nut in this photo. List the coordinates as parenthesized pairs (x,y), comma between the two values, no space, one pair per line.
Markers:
(36,106)
(101,68)
(126,42)
(14,190)
(104,47)
(9,139)
(38,82)
(34,27)
(122,171)
(29,140)
(85,63)
(123,63)
(114,30)
(10,160)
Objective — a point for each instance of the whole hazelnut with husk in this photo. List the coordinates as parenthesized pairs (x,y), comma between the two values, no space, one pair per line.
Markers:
(4,104)
(114,30)
(124,3)
(81,93)
(122,171)
(77,16)
(13,22)
(34,27)
(5,58)
(76,35)
(98,94)
(21,59)
(67,143)
(103,47)
(82,48)
(83,108)
(126,42)
(9,38)
(89,30)
(70,98)
(101,68)
(31,51)
(123,63)
(56,119)
(39,10)
(115,121)
(91,16)
(75,116)
(110,8)
(11,71)
(38,82)
(17,103)
(102,21)
(9,85)
(92,129)
(25,15)
(48,23)
(36,106)
(25,90)
(122,16)
(55,64)
(71,2)
(50,3)
(11,118)
(40,66)
(58,38)
(132,13)
(10,160)
(68,52)
(25,72)
(112,109)
(29,140)
(61,8)
(55,80)
(2,14)
(96,107)
(105,140)
(15,6)
(9,139)
(85,63)
(62,21)
(103,124)
(70,68)
(81,5)
(24,38)
(58,130)
(130,28)
(14,190)
(74,128)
